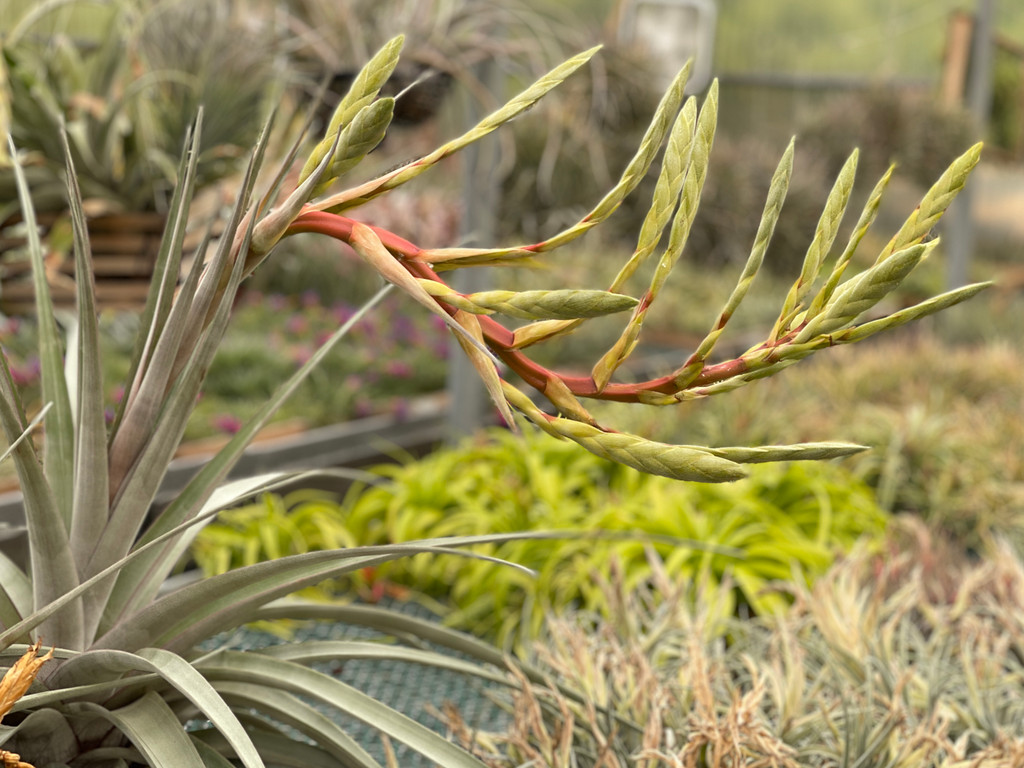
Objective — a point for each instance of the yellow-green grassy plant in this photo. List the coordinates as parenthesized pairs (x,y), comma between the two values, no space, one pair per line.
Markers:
(781,523)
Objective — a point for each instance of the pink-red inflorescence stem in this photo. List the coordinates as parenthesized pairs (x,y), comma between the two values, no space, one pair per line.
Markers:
(499,338)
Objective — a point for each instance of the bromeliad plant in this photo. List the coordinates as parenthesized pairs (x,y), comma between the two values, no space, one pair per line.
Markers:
(126,673)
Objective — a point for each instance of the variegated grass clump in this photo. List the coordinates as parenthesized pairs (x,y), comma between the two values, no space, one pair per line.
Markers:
(126,673)
(904,659)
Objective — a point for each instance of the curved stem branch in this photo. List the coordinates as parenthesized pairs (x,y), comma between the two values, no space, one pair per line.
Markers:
(497,336)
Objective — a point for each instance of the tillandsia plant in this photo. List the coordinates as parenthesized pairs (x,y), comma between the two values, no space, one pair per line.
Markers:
(127,672)
(821,309)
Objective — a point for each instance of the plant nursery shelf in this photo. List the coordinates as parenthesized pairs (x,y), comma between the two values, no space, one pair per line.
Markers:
(350,444)
(124,250)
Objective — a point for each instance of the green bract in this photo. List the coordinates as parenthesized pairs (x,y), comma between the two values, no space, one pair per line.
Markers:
(127,673)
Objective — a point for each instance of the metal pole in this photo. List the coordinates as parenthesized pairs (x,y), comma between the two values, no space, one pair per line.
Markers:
(959,232)
(469,403)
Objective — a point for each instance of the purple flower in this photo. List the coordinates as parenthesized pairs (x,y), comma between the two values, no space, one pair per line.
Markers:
(297,325)
(11,326)
(28,373)
(226,423)
(310,299)
(399,369)
(341,313)
(277,302)
(400,408)
(108,415)
(368,326)
(404,329)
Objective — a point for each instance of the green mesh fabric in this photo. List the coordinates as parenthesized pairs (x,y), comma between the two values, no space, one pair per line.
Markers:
(415,690)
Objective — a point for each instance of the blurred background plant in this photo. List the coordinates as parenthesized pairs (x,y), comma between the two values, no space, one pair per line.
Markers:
(127,85)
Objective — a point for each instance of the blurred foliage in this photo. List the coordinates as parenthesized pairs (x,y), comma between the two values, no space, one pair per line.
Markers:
(871,37)
(783,523)
(889,125)
(450,36)
(395,355)
(943,422)
(1007,123)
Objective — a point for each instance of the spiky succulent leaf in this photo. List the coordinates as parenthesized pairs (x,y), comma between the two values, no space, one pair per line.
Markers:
(58,454)
(51,561)
(89,503)
(290,711)
(125,438)
(183,618)
(154,729)
(141,580)
(138,489)
(96,666)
